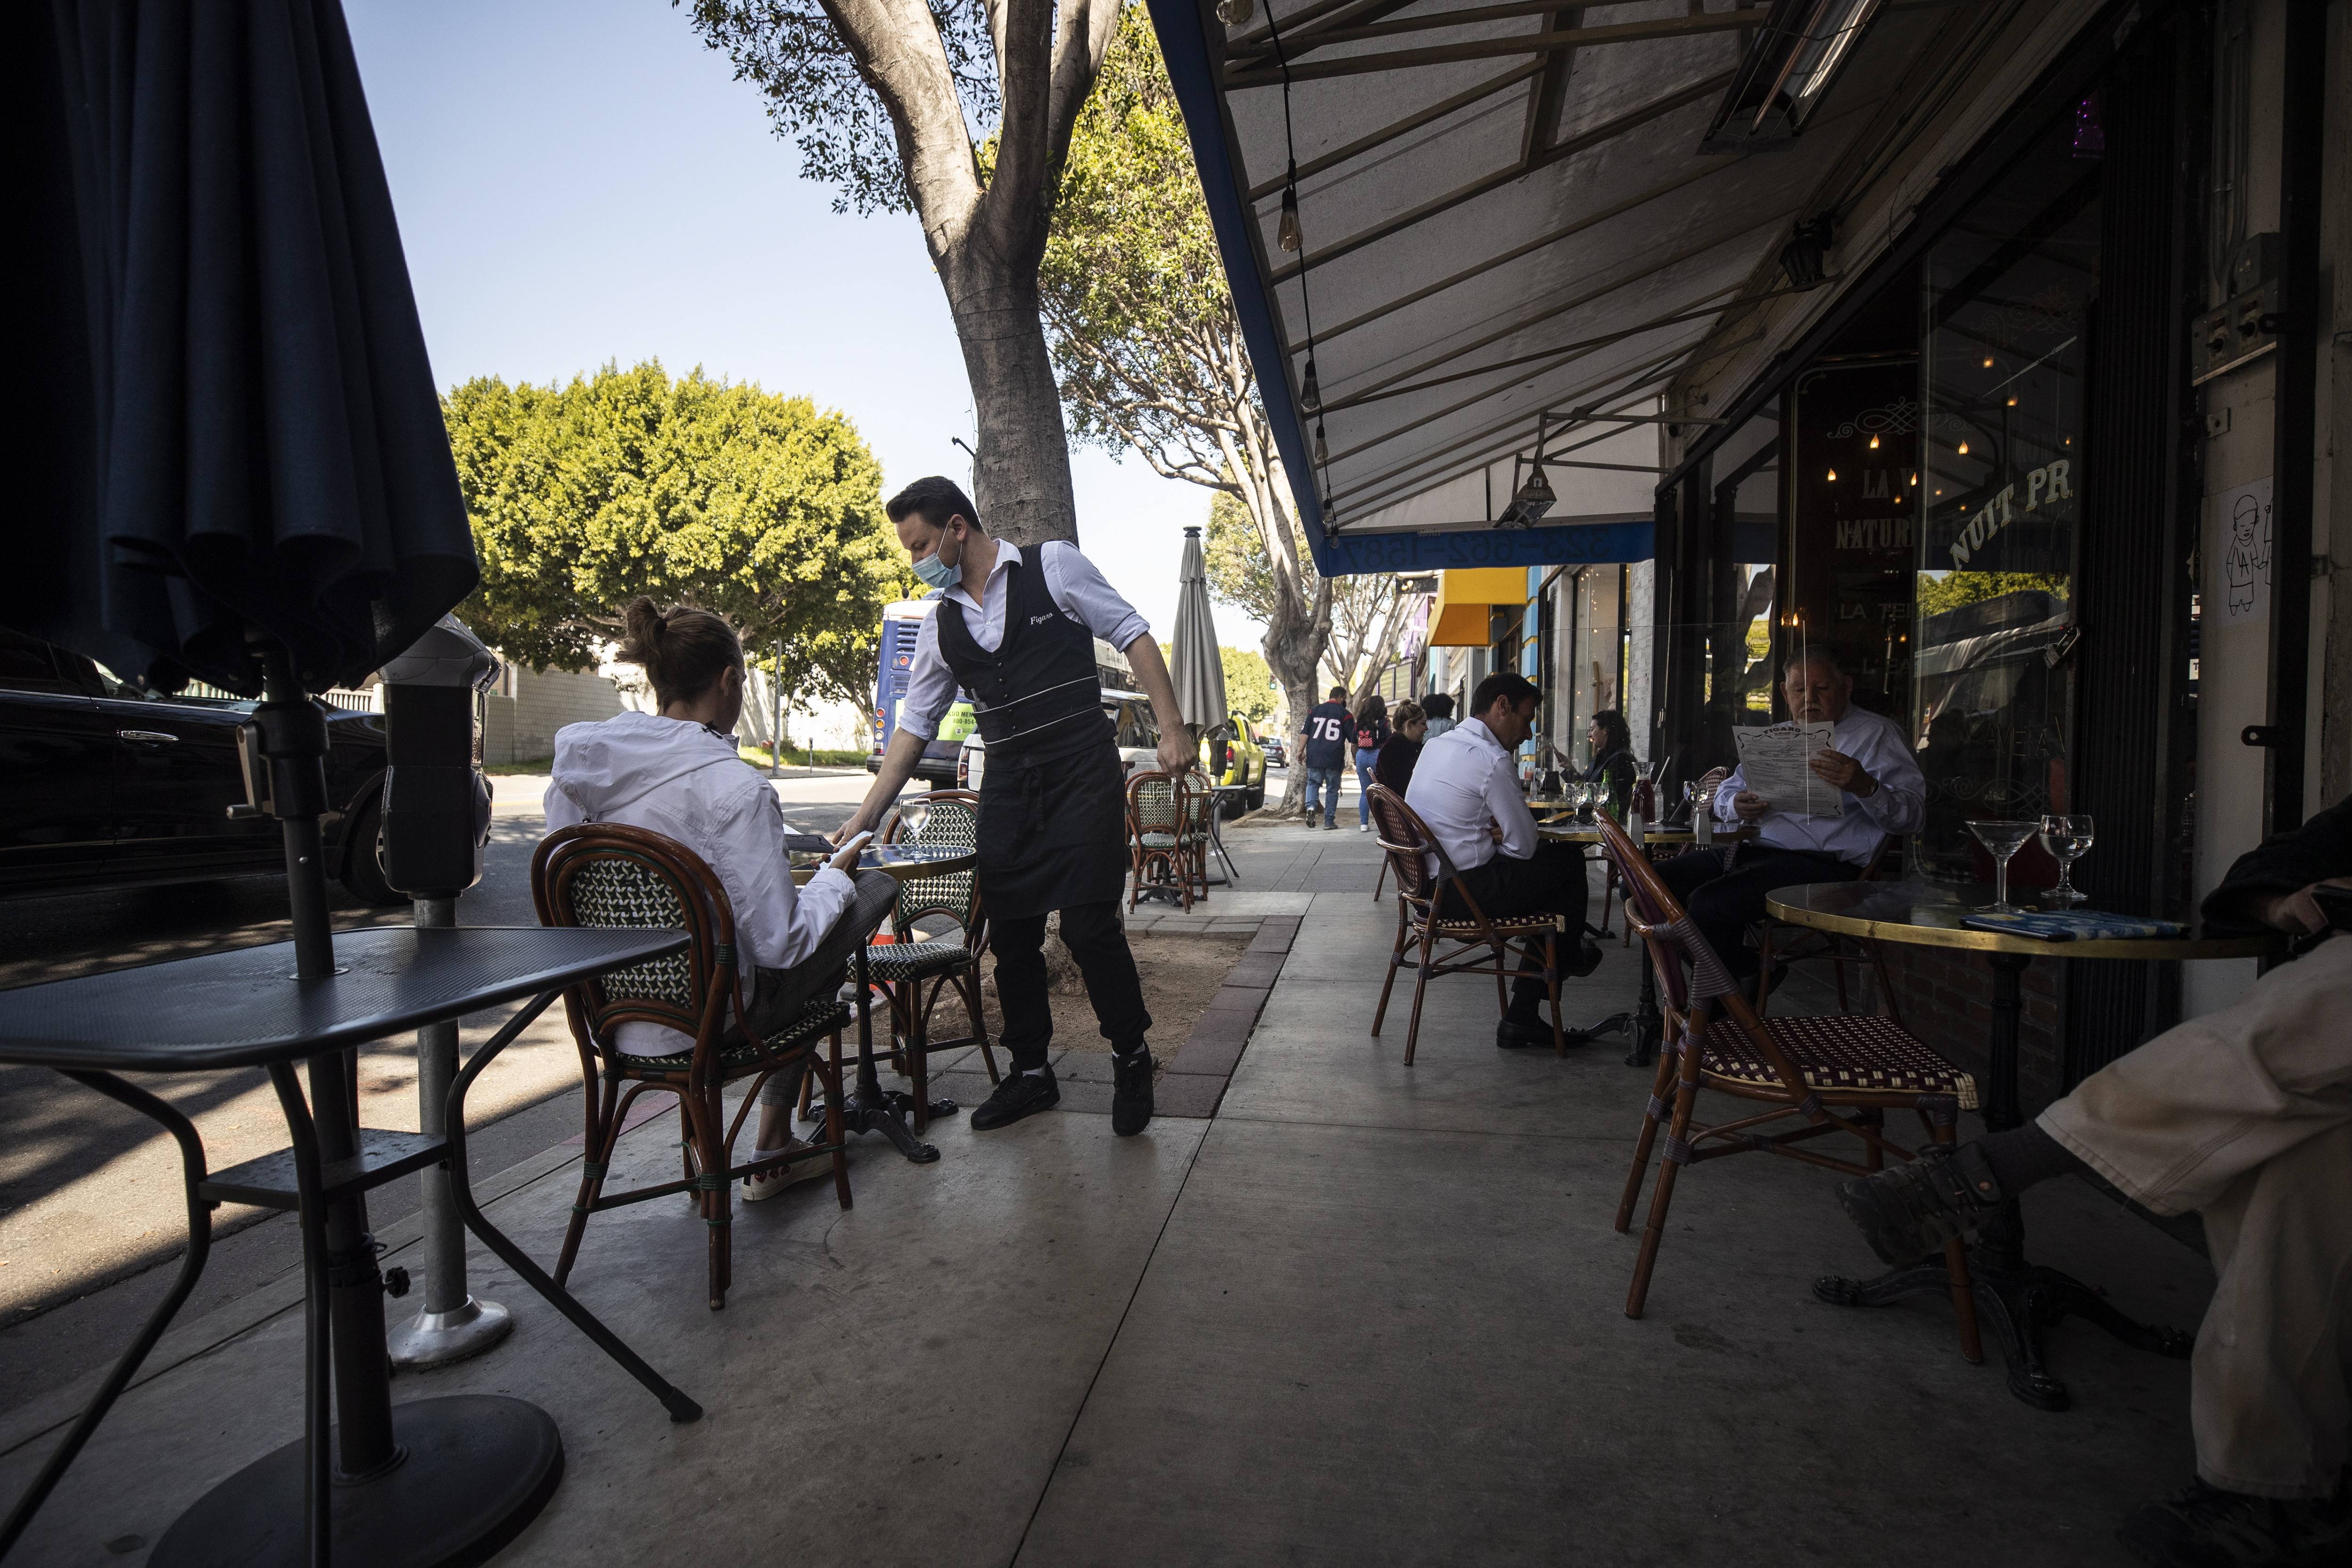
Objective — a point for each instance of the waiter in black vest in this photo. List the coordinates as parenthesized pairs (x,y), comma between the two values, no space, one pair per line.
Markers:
(1015,629)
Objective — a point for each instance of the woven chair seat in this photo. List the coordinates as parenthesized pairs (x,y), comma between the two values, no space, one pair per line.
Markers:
(1160,841)
(1503,925)
(820,1018)
(915,960)
(1839,1051)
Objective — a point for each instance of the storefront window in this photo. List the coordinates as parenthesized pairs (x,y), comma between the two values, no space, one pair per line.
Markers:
(1853,498)
(2008,302)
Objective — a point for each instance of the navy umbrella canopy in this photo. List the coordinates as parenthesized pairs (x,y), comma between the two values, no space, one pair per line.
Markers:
(235,435)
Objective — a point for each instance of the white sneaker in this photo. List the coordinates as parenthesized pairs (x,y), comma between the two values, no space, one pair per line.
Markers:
(1364,827)
(767,1184)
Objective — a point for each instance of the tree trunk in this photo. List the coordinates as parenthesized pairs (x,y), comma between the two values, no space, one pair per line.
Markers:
(1294,639)
(1021,479)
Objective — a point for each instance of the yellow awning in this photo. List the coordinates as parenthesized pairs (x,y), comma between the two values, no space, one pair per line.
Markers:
(1460,617)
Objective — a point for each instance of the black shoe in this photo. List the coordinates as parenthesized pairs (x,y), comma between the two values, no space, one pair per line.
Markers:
(1021,1094)
(1910,1210)
(2205,1527)
(1518,1033)
(1584,960)
(1130,1094)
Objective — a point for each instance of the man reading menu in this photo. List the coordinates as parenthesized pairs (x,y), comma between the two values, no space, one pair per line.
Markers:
(1880,792)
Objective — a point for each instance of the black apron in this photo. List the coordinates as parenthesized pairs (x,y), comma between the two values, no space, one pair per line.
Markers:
(1053,803)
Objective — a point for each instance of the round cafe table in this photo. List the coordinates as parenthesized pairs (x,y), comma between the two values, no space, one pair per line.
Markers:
(2018,1298)
(873,1109)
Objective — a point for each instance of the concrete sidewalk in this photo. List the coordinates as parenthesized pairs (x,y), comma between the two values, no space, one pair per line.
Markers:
(1367,1315)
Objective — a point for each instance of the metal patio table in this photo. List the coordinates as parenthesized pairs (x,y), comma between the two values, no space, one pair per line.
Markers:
(430,1481)
(872,1108)
(1217,794)
(2019,1298)
(1648,1023)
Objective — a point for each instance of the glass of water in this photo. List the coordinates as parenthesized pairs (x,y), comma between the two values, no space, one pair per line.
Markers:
(2001,837)
(2068,839)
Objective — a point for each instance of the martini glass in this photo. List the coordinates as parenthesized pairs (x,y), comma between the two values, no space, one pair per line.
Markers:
(2067,839)
(2001,837)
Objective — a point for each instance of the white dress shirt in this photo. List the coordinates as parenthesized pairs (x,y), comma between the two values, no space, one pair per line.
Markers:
(681,780)
(1079,589)
(1463,782)
(1899,807)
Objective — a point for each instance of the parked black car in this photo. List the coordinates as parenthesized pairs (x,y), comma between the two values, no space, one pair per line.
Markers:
(101,786)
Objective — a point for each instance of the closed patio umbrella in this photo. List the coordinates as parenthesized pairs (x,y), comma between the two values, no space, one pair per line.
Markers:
(1193,663)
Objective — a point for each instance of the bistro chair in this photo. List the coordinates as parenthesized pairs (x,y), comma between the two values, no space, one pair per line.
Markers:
(604,874)
(1799,945)
(1200,802)
(913,970)
(1831,1074)
(1159,833)
(1446,946)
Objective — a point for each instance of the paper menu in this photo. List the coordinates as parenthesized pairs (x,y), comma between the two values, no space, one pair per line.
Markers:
(1772,763)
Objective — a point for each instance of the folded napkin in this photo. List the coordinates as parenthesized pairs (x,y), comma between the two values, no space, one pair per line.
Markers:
(2080,927)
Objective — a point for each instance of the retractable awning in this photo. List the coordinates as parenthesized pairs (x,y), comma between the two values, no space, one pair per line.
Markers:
(1507,231)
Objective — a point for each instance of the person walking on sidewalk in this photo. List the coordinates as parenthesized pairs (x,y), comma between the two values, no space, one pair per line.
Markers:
(1015,629)
(2246,1115)
(1371,733)
(1323,748)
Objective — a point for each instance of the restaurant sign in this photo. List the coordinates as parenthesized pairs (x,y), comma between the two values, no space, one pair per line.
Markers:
(2043,487)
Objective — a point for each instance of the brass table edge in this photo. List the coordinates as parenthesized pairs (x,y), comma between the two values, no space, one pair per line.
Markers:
(2153,948)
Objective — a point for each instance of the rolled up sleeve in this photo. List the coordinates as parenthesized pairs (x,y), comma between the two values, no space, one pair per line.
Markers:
(931,685)
(1079,587)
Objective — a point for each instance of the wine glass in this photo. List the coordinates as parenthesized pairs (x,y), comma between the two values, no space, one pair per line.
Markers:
(2068,839)
(2001,837)
(1588,795)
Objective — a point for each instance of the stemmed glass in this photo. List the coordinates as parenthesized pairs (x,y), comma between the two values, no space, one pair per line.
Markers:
(2068,839)
(2001,838)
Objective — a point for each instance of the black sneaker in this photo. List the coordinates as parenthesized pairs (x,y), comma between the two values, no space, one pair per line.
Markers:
(1130,1094)
(1020,1094)
(2205,1527)
(1910,1210)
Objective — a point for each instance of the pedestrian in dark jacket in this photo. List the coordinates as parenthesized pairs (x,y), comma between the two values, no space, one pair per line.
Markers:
(1394,768)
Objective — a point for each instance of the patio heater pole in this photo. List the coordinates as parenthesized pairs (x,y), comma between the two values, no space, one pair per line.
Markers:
(437,817)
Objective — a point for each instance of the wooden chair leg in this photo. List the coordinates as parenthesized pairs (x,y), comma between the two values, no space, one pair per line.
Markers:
(1837,973)
(1886,1002)
(717,1196)
(1964,1295)
(686,1144)
(602,1133)
(1381,880)
(1874,1155)
(1552,984)
(1677,1134)
(1763,966)
(1396,956)
(1420,985)
(1660,1083)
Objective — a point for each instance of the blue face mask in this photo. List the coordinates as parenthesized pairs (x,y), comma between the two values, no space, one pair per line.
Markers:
(937,572)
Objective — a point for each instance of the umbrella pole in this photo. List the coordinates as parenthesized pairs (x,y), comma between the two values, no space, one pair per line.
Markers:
(294,739)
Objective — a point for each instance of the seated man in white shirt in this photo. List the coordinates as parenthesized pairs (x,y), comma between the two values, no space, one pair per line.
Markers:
(1881,791)
(677,773)
(1465,788)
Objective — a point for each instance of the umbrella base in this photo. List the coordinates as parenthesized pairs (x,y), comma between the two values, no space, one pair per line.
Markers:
(477,1470)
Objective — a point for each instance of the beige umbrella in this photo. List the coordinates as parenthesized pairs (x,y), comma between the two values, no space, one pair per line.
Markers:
(1193,663)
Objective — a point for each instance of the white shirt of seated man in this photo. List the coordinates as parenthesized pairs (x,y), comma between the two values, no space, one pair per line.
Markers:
(677,773)
(1879,781)
(1466,790)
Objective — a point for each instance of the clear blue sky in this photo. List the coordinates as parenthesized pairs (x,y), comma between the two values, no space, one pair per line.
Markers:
(583,181)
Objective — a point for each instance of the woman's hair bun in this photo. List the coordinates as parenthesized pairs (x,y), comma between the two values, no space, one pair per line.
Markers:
(683,650)
(643,626)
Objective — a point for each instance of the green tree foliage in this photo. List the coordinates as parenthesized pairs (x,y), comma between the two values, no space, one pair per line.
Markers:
(1249,685)
(763,508)
(1942,591)
(1239,573)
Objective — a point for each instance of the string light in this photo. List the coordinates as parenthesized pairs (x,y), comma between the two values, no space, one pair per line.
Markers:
(1963,448)
(1873,444)
(1235,13)
(1286,233)
(1310,390)
(1987,364)
(1322,453)
(1832,476)
(2012,403)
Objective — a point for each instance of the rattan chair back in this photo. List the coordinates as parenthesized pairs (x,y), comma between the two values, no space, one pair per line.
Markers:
(1409,845)
(944,819)
(606,874)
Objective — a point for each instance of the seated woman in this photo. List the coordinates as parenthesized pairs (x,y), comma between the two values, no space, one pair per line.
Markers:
(677,772)
(1612,758)
(1394,768)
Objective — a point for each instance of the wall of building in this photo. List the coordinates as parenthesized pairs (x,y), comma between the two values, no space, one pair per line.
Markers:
(521,717)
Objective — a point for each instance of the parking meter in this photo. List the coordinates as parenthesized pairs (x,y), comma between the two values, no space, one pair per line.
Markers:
(437,804)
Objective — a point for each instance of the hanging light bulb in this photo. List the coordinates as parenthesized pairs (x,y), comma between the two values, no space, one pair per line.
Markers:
(1832,476)
(1235,13)
(1915,481)
(1285,233)
(1322,453)
(1964,449)
(2012,403)
(1988,361)
(1310,390)
(1873,444)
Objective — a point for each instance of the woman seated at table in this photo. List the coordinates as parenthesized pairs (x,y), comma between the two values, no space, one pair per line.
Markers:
(1611,740)
(677,772)
(1394,768)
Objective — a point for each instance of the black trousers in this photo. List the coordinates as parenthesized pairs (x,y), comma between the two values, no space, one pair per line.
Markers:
(1550,881)
(1098,943)
(1723,903)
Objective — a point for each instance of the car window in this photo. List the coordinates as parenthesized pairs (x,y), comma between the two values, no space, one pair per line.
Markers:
(1137,728)
(26,664)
